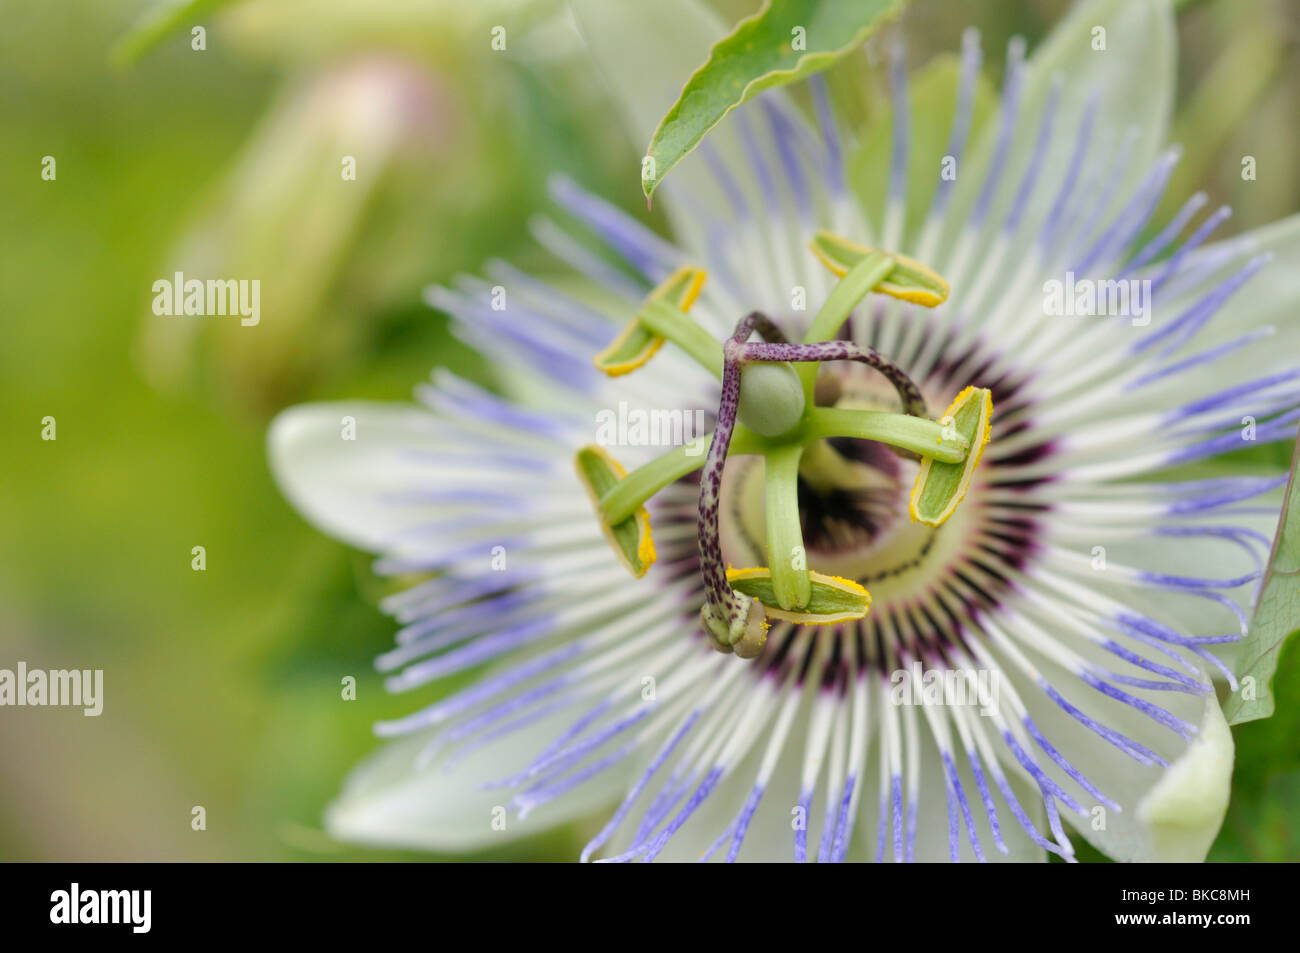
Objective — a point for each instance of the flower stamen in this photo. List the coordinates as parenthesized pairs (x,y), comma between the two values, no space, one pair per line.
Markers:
(630,537)
(661,316)
(768,407)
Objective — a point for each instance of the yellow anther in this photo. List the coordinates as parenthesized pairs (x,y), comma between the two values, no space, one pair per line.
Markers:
(941,486)
(909,281)
(834,599)
(630,539)
(636,343)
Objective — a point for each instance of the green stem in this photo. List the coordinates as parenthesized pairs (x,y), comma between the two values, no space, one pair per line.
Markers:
(847,293)
(674,324)
(823,469)
(917,434)
(645,481)
(839,304)
(792,586)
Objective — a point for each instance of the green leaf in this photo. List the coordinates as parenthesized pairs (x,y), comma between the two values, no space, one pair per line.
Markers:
(760,53)
(1277,615)
(156,23)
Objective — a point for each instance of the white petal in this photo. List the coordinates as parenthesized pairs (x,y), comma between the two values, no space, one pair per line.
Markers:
(1271,297)
(391,801)
(1268,298)
(1155,822)
(1184,811)
(338,484)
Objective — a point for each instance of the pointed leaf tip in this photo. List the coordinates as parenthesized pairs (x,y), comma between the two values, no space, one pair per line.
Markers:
(781,43)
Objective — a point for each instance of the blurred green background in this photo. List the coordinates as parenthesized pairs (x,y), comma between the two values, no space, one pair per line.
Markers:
(223,686)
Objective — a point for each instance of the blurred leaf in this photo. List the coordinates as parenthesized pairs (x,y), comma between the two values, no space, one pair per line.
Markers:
(291,215)
(1277,614)
(1224,98)
(446,32)
(1266,780)
(156,24)
(785,41)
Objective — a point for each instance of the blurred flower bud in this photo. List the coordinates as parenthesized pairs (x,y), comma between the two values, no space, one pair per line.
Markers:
(440,31)
(290,216)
